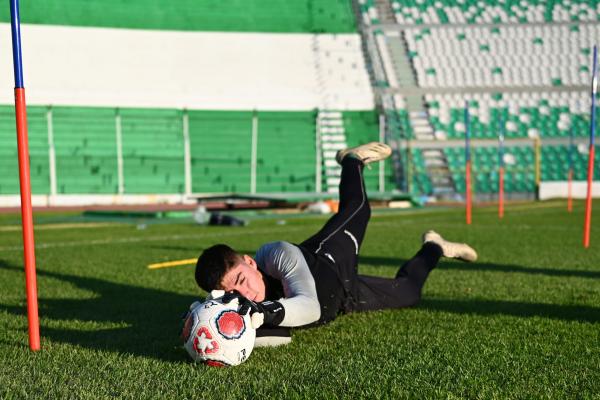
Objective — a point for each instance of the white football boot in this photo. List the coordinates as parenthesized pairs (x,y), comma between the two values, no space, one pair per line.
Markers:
(367,153)
(461,251)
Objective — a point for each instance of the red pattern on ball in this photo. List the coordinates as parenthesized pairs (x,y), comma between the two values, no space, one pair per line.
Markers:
(200,349)
(231,324)
(187,328)
(215,363)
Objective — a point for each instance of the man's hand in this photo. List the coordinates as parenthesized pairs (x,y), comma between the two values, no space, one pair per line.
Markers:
(215,294)
(270,312)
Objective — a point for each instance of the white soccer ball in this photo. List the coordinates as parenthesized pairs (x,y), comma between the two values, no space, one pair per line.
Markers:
(215,334)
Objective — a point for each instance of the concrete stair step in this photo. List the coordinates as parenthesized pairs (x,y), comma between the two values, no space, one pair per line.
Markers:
(338,130)
(331,123)
(333,138)
(422,136)
(417,114)
(330,114)
(432,153)
(419,122)
(434,162)
(422,129)
(333,146)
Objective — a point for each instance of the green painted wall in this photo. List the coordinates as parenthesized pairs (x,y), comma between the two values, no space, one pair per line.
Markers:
(220,144)
(285,16)
(153,150)
(38,151)
(286,152)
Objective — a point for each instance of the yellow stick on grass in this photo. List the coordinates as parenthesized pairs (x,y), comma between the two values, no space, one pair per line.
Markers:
(169,264)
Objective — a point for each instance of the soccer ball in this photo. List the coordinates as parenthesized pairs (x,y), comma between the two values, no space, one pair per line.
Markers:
(215,334)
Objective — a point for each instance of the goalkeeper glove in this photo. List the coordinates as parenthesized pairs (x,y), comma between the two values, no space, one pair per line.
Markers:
(271,312)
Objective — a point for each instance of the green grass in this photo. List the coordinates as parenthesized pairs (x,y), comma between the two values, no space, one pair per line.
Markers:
(522,322)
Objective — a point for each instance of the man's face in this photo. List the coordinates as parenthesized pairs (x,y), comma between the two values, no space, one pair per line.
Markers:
(246,279)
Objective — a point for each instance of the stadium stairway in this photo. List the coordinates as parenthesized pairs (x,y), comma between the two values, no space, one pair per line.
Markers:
(385,11)
(331,133)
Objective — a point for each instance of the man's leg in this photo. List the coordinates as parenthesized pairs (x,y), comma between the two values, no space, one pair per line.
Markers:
(341,237)
(344,232)
(375,293)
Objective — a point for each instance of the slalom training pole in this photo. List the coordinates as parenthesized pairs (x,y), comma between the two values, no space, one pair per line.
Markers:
(570,173)
(501,170)
(24,180)
(468,163)
(588,200)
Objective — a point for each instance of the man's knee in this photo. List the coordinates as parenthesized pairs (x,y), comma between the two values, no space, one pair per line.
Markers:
(411,296)
(360,207)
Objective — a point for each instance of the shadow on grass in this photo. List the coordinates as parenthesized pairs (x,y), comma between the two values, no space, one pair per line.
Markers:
(513,308)
(397,262)
(148,320)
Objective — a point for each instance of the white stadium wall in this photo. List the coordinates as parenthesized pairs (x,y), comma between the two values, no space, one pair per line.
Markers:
(560,189)
(79,66)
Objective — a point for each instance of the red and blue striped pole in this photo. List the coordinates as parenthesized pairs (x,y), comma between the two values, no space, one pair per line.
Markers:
(25,182)
(501,169)
(468,163)
(588,201)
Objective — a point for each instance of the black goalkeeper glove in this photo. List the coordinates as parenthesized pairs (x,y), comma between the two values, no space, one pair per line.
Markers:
(272,311)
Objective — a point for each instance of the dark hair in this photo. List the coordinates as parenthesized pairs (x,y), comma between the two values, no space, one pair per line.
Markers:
(212,265)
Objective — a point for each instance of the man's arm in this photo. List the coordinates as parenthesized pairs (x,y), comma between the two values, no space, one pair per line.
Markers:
(285,262)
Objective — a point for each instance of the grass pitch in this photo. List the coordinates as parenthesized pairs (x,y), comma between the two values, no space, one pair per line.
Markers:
(522,322)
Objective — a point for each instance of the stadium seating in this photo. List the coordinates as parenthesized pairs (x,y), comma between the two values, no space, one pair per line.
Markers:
(416,12)
(513,55)
(555,163)
(525,114)
(420,182)
(519,172)
(507,59)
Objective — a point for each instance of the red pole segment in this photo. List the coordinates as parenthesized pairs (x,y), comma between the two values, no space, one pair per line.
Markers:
(25,182)
(570,191)
(468,163)
(27,220)
(468,190)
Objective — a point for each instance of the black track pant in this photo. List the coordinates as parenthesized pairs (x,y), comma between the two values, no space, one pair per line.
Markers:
(340,238)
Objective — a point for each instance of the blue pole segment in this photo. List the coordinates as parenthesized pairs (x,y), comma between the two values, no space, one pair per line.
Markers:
(16,42)
(467,132)
(594,93)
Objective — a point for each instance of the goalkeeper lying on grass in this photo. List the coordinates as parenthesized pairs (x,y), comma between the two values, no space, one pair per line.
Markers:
(311,283)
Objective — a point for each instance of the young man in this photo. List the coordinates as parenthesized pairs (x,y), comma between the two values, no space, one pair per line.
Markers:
(311,283)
